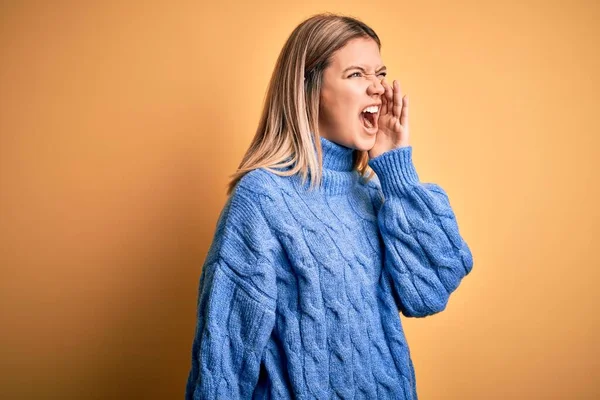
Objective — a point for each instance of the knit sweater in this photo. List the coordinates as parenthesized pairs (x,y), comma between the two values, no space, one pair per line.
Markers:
(301,291)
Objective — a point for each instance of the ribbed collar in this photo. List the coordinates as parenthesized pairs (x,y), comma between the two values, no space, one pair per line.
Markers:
(335,156)
(338,175)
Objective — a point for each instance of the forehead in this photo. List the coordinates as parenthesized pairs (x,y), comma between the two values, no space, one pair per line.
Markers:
(360,51)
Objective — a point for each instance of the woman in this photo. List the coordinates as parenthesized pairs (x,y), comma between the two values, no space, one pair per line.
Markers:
(301,289)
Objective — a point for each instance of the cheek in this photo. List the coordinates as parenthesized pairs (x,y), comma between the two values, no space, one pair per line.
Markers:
(351,98)
(339,105)
(330,107)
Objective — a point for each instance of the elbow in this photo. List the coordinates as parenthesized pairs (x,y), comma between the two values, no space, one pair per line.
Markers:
(426,304)
(428,294)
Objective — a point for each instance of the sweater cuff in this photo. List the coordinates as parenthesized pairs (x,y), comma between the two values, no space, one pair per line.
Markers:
(395,170)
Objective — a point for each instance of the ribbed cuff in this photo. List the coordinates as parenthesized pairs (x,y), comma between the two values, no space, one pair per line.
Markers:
(395,170)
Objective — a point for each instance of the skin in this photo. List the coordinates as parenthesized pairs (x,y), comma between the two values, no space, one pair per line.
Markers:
(344,95)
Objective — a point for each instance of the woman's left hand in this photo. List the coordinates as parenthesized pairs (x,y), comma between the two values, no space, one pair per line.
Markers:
(392,122)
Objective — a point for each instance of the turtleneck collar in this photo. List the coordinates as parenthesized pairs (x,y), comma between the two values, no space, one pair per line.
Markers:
(338,175)
(335,156)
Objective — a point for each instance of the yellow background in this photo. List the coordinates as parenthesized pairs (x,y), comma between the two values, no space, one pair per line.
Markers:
(120,124)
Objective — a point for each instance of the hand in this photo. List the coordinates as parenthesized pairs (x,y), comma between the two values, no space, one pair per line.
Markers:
(392,121)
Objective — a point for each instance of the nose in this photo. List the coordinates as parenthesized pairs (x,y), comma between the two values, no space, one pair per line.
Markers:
(376,87)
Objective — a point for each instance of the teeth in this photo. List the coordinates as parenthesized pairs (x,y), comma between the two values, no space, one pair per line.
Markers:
(372,109)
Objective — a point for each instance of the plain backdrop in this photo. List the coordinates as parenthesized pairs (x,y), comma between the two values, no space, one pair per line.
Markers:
(121,121)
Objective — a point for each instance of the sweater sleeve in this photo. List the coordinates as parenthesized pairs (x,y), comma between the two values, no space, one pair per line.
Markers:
(425,255)
(236,304)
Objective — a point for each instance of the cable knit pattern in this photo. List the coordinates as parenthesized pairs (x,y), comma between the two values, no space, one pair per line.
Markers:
(300,292)
(424,252)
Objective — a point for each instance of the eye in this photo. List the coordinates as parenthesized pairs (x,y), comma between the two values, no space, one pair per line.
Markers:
(384,74)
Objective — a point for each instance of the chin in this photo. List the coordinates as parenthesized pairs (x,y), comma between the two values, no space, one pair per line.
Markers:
(365,143)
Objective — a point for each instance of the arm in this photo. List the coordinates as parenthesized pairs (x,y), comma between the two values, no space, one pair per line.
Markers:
(236,304)
(425,256)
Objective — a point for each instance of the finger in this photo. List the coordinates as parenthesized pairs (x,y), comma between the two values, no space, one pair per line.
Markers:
(384,107)
(386,98)
(389,96)
(404,118)
(397,104)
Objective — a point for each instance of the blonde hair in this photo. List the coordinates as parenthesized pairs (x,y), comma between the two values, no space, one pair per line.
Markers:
(288,130)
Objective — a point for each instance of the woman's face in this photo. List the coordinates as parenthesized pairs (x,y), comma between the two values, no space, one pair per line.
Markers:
(346,92)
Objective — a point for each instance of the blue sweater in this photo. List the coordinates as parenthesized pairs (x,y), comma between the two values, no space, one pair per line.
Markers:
(300,292)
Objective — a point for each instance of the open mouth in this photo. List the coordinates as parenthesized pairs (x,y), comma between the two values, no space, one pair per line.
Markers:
(369,119)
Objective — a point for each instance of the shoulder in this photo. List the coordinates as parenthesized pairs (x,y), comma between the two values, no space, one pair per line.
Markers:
(260,181)
(258,202)
(245,206)
(266,188)
(243,239)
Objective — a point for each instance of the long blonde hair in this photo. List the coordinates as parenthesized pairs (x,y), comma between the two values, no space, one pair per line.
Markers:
(288,131)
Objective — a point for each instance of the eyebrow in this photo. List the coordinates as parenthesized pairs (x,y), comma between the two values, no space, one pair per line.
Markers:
(362,69)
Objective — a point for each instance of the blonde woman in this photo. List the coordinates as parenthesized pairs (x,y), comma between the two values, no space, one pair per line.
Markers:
(326,237)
